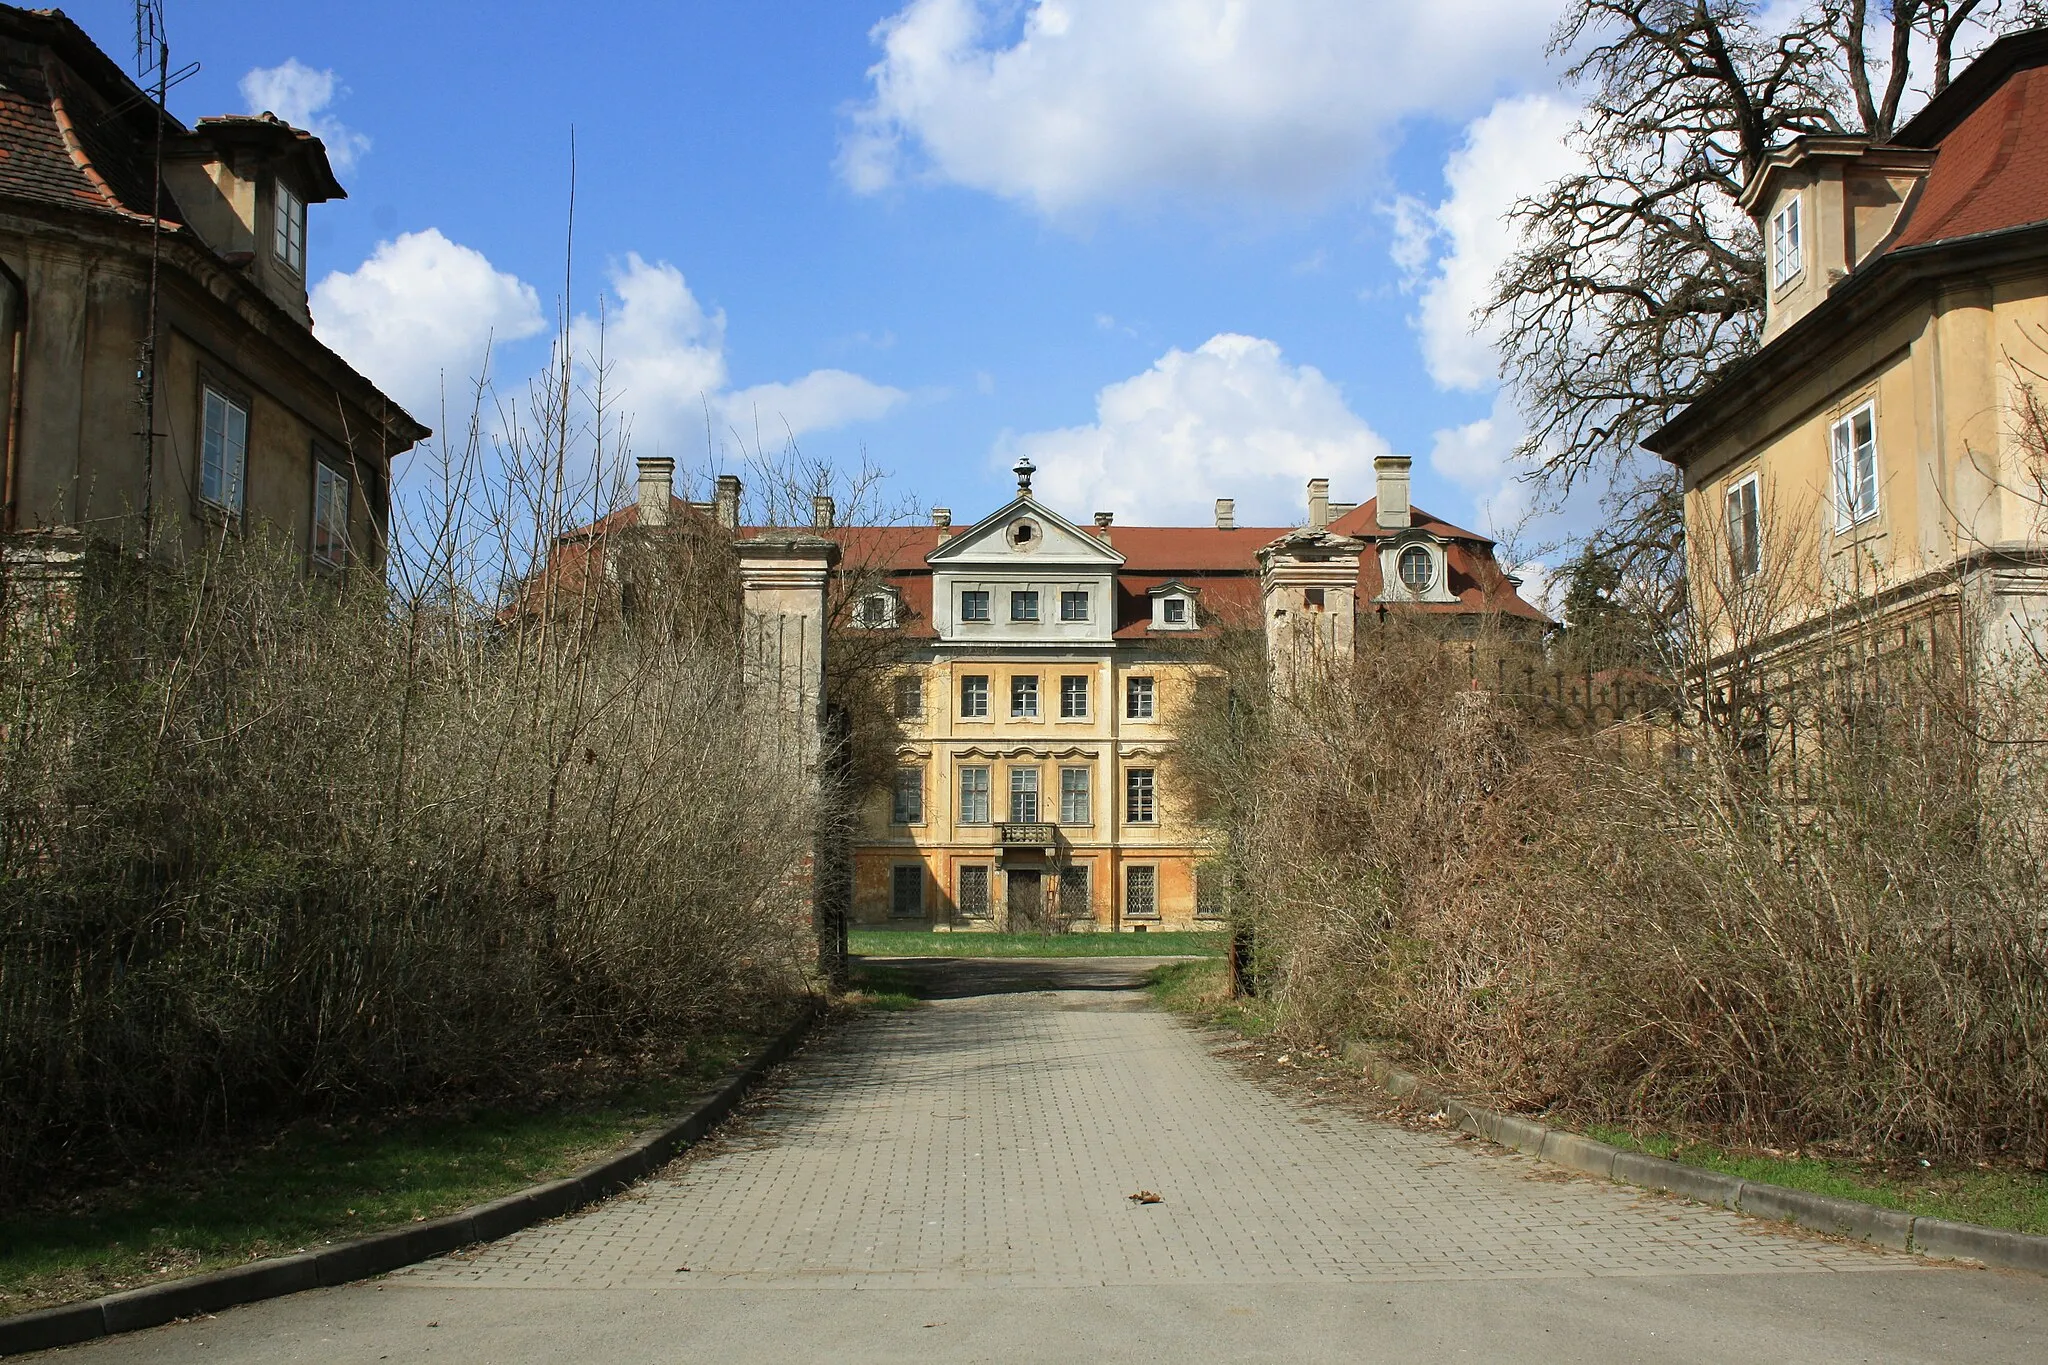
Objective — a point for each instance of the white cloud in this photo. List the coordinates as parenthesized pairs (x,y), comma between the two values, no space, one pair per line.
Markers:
(1068,103)
(421,308)
(298,94)
(1232,418)
(1452,251)
(665,362)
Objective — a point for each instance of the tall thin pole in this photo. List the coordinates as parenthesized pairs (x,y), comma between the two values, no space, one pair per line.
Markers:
(149,28)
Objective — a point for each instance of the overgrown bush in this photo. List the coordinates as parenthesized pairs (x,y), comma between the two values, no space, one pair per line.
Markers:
(1659,923)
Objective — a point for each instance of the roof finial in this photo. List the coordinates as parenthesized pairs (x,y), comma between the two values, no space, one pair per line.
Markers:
(1024,470)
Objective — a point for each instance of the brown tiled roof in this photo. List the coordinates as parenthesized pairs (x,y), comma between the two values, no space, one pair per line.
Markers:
(1221,566)
(1991,171)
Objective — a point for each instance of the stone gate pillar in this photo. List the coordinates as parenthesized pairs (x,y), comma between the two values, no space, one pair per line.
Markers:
(784,578)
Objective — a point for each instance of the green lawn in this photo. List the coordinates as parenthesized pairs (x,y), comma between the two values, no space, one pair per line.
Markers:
(920,943)
(321,1182)
(1967,1194)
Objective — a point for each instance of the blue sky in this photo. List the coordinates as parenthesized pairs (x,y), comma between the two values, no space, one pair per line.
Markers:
(1173,249)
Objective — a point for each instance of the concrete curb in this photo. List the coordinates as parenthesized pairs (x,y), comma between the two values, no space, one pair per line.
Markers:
(341,1262)
(1822,1213)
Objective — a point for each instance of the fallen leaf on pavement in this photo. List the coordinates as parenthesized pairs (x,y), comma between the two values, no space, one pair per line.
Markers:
(1145,1197)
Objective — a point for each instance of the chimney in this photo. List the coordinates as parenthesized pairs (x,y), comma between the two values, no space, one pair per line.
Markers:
(726,501)
(657,476)
(1226,514)
(1339,510)
(942,517)
(1392,474)
(1318,504)
(1102,521)
(823,510)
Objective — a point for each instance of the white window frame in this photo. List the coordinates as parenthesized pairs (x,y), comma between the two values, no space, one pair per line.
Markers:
(223,449)
(1139,699)
(1070,696)
(1402,559)
(981,597)
(289,238)
(1854,466)
(1018,598)
(1788,254)
(1745,565)
(974,783)
(1077,798)
(974,696)
(875,610)
(330,515)
(1024,795)
(1024,696)
(1141,796)
(1070,597)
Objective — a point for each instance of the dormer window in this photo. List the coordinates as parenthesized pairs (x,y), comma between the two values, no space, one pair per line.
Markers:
(291,229)
(876,611)
(1173,606)
(1174,610)
(1786,258)
(1418,569)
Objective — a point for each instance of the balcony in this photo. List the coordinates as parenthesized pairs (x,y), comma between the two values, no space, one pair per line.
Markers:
(1037,834)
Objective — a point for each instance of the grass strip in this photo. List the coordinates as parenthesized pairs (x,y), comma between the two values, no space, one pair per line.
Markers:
(923,943)
(1968,1194)
(321,1182)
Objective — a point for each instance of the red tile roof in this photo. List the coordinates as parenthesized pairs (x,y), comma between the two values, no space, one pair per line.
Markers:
(1990,171)
(1222,567)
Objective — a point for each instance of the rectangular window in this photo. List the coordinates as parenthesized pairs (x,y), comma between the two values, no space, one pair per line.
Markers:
(291,229)
(1074,802)
(1786,260)
(974,891)
(1176,611)
(974,605)
(1141,893)
(974,697)
(1209,883)
(1076,902)
(1853,441)
(1023,796)
(330,515)
(974,796)
(1138,698)
(906,805)
(906,890)
(1074,697)
(1138,793)
(1074,606)
(1745,529)
(223,451)
(1024,606)
(909,696)
(1024,697)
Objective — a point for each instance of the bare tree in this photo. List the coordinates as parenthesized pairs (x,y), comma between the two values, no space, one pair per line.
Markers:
(1640,277)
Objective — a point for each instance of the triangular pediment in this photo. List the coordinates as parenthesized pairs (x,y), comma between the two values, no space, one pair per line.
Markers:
(1052,539)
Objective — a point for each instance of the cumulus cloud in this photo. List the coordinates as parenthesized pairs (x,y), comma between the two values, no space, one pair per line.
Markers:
(1232,418)
(1451,251)
(664,356)
(422,308)
(300,95)
(1069,103)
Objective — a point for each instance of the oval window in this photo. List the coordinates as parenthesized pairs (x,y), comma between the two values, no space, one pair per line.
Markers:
(1418,569)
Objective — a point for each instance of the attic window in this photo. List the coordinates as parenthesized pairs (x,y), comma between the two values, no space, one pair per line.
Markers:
(1418,569)
(875,611)
(1176,611)
(291,229)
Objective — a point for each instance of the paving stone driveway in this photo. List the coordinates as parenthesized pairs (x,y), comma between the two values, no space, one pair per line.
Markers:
(993,1140)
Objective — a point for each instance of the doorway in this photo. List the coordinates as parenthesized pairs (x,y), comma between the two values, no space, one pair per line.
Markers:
(1026,901)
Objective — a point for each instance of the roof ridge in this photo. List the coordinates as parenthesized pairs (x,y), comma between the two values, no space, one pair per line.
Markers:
(72,144)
